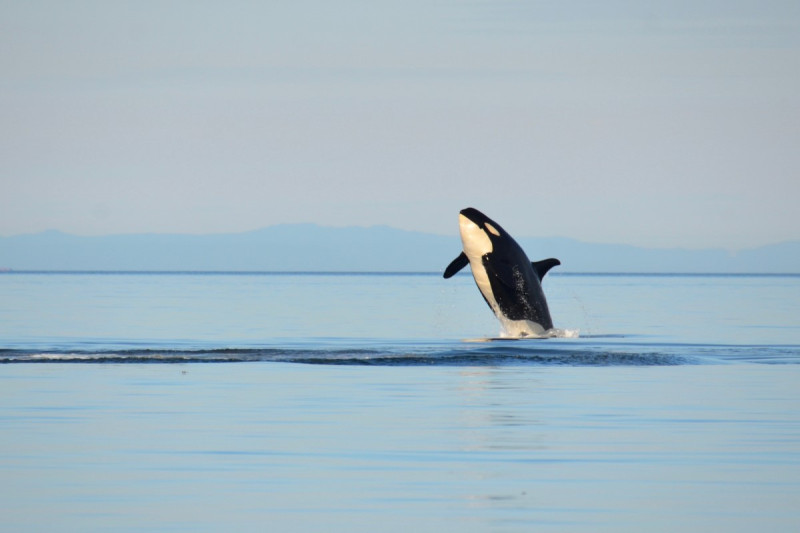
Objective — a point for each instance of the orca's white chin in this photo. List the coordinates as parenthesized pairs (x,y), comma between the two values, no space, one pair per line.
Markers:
(477,244)
(474,239)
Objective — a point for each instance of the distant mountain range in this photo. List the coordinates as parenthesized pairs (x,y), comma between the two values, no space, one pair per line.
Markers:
(308,247)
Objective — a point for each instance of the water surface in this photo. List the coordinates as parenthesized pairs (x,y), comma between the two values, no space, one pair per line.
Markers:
(176,402)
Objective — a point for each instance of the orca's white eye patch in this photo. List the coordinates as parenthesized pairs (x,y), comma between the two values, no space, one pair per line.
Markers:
(492,229)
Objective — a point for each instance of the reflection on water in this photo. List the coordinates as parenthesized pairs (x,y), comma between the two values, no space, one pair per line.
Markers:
(486,418)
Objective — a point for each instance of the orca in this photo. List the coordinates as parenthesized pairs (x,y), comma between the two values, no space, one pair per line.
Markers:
(509,282)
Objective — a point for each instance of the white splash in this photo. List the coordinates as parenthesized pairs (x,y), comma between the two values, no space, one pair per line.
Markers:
(525,329)
(565,333)
(61,357)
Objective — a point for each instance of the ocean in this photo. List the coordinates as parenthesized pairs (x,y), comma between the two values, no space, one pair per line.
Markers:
(387,401)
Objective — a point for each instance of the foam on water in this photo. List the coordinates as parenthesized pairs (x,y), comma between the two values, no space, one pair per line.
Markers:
(519,330)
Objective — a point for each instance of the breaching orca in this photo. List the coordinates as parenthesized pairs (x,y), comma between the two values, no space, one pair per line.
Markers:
(507,279)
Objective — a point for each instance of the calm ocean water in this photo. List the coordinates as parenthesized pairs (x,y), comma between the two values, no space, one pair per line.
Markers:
(300,402)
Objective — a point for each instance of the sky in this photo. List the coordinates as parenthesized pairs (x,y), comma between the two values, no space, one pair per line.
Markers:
(659,124)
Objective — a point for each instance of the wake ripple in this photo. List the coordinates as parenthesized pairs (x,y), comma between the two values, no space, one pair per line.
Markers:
(488,352)
(493,355)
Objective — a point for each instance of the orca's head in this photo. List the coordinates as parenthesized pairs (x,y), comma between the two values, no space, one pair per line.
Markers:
(479,233)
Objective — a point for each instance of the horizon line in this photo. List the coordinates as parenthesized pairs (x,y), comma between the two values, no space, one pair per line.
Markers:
(379,273)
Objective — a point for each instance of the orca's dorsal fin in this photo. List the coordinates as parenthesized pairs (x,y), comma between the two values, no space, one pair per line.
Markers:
(543,267)
(457,264)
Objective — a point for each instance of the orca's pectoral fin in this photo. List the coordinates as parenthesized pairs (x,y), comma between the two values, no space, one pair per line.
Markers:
(457,264)
(543,267)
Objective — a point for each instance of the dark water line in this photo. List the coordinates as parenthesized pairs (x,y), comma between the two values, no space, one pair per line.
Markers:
(384,273)
(593,356)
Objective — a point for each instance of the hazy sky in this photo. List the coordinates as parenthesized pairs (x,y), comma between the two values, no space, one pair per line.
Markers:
(651,123)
